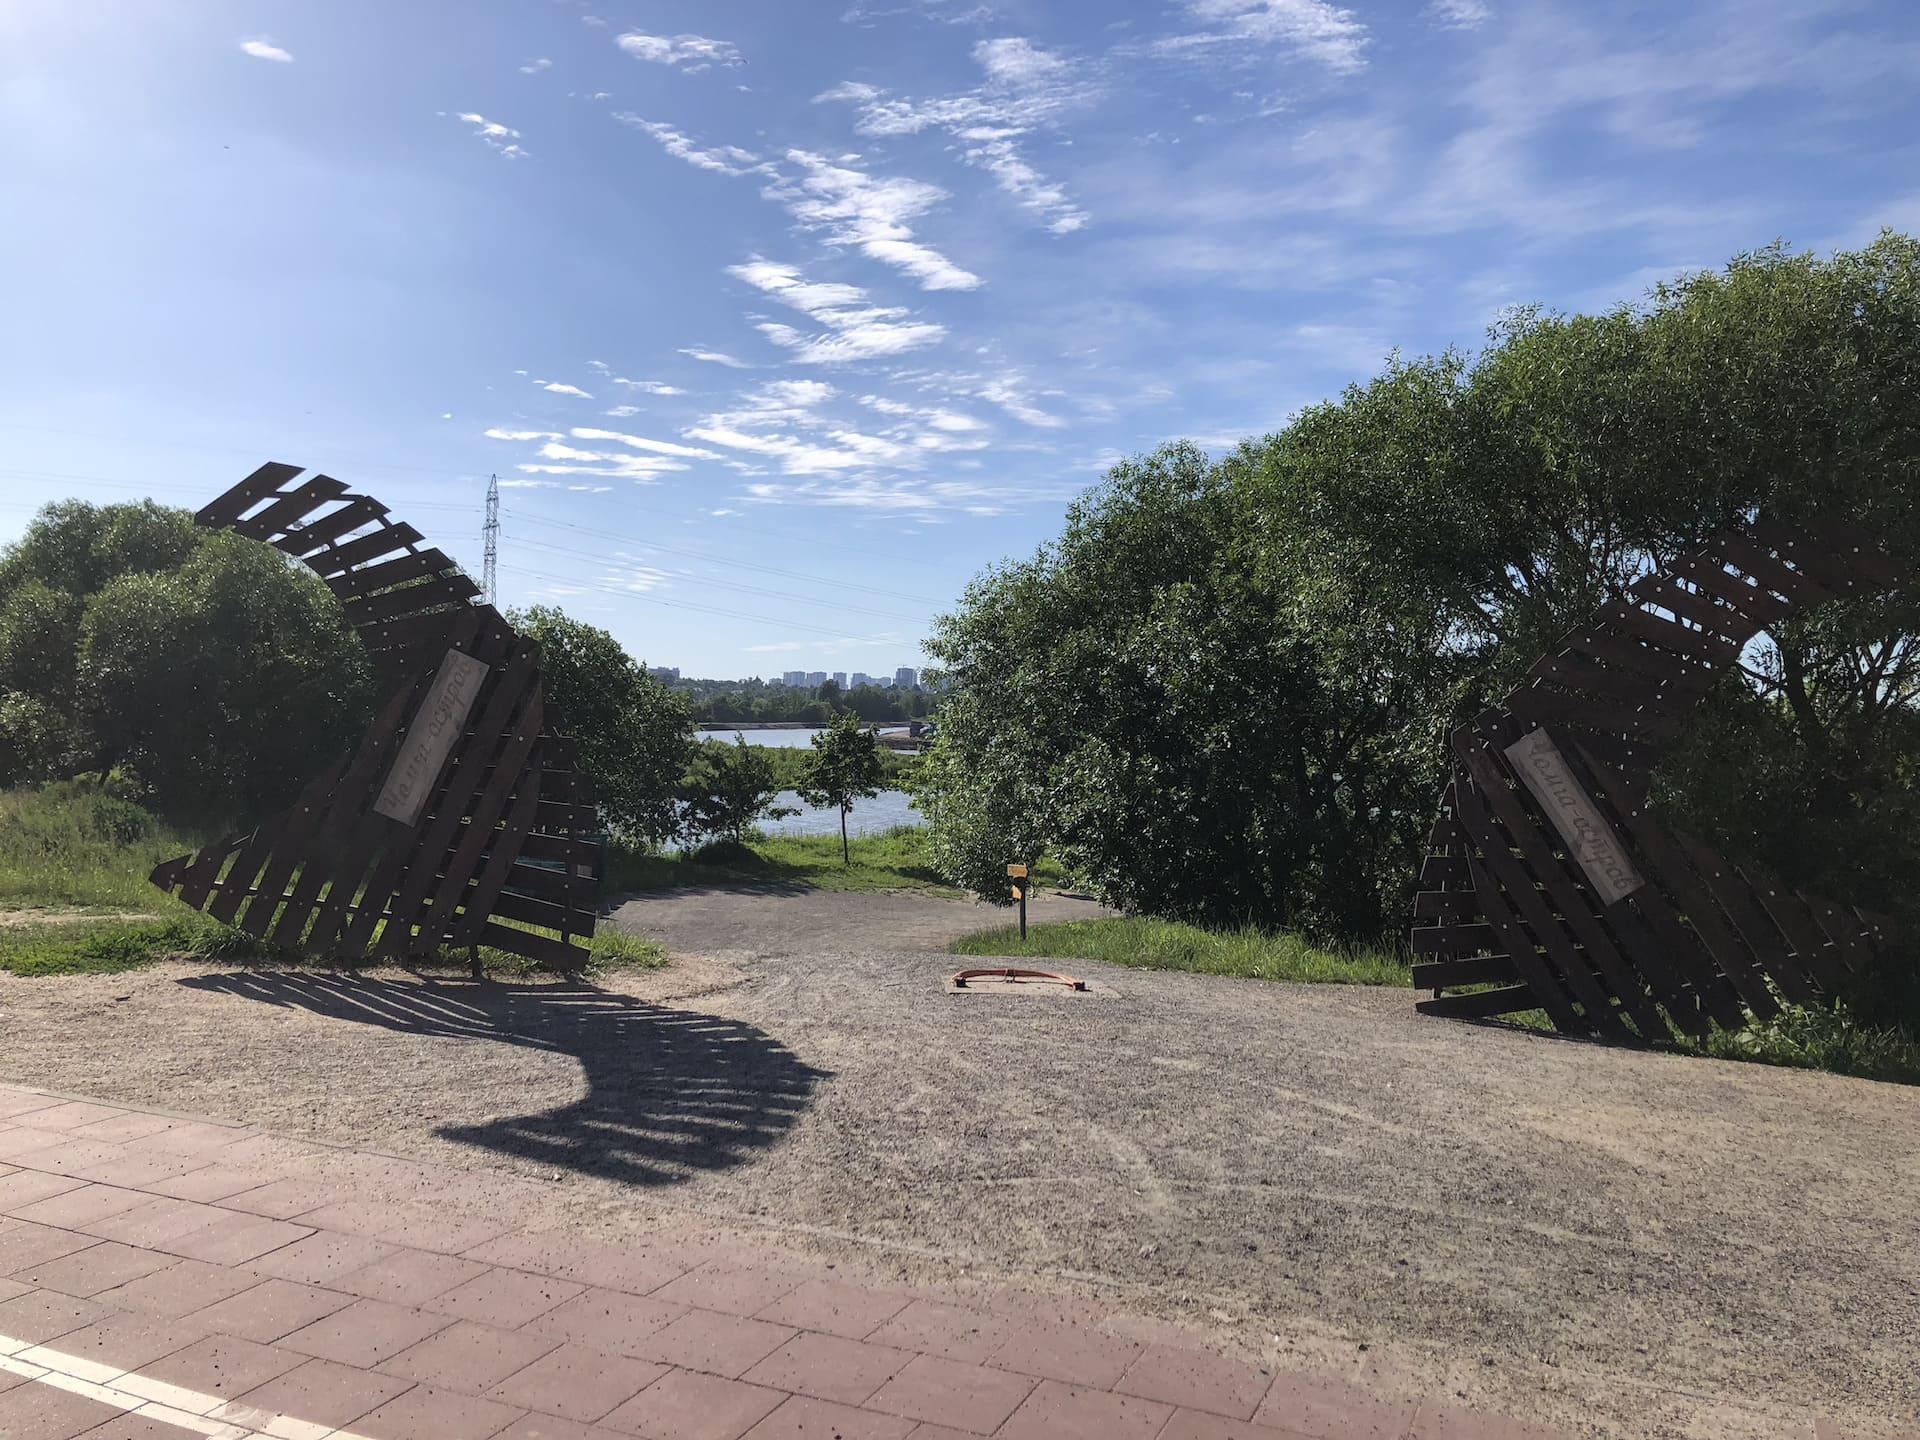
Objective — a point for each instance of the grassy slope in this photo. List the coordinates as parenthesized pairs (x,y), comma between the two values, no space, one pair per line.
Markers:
(1168,945)
(74,852)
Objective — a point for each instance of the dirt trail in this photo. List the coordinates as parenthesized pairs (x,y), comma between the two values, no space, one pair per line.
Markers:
(1634,1244)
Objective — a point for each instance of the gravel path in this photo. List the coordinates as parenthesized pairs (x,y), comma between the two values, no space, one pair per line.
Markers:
(1644,1244)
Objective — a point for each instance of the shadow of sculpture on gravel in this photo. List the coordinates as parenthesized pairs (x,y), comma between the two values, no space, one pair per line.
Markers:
(669,1092)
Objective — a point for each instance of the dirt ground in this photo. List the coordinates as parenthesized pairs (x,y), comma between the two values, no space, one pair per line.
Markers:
(1627,1243)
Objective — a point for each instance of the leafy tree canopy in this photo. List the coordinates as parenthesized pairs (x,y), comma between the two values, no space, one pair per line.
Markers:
(634,735)
(212,669)
(1224,692)
(844,767)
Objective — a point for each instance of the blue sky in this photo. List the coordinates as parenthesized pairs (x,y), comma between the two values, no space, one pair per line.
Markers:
(780,319)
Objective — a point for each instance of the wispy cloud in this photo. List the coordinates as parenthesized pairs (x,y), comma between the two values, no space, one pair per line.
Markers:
(501,137)
(721,159)
(1026,87)
(266,50)
(650,387)
(1313,30)
(641,442)
(850,207)
(715,357)
(560,387)
(1459,14)
(692,53)
(855,329)
(534,67)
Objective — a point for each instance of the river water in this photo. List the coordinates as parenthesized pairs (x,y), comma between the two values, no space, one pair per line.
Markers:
(868,817)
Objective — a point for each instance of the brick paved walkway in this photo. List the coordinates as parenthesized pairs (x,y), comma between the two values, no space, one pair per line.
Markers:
(165,1277)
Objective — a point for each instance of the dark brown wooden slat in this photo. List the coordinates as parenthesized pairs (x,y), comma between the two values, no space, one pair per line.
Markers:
(1568,891)
(1664,634)
(540,880)
(502,867)
(198,875)
(1746,916)
(1674,947)
(432,594)
(296,827)
(1671,671)
(541,846)
(237,883)
(1857,548)
(398,845)
(553,915)
(1574,964)
(1480,1004)
(388,540)
(1760,607)
(1516,900)
(289,509)
(560,819)
(1452,939)
(489,806)
(1438,870)
(412,632)
(1543,705)
(350,800)
(351,583)
(498,704)
(358,511)
(1474,970)
(1703,610)
(1444,905)
(1843,928)
(545,949)
(1667,867)
(1606,683)
(1758,561)
(1789,913)
(223,510)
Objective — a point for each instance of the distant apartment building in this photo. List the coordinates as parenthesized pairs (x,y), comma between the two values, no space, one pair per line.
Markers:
(840,678)
(860,677)
(795,678)
(668,673)
(816,678)
(906,677)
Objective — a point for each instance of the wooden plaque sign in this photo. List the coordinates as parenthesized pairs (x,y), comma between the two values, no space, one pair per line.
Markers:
(461,818)
(440,720)
(1548,883)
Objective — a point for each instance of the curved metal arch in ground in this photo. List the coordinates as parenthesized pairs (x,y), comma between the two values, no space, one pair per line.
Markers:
(462,801)
(1547,876)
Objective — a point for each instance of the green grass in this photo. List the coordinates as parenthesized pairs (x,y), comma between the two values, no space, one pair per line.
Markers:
(1169,945)
(893,860)
(73,849)
(1823,1038)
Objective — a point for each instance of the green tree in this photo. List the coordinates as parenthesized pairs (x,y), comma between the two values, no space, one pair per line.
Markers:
(728,788)
(1225,691)
(212,670)
(634,735)
(844,767)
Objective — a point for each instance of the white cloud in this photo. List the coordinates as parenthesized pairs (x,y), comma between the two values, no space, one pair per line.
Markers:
(262,50)
(856,330)
(1026,88)
(1315,30)
(715,357)
(1459,14)
(498,433)
(693,53)
(534,67)
(600,367)
(851,207)
(500,137)
(650,387)
(721,159)
(621,412)
(640,442)
(560,387)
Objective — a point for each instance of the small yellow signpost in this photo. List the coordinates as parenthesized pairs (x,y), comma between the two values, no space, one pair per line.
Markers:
(1018,873)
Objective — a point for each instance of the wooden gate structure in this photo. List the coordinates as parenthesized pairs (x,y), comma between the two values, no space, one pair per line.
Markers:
(462,818)
(1547,876)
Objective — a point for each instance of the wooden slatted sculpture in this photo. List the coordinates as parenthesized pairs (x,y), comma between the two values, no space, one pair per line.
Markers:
(1547,875)
(461,819)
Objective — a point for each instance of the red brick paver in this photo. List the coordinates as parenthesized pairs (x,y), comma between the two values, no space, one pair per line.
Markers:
(285,1289)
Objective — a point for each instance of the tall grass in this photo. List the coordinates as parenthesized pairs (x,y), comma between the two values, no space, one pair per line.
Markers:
(1168,945)
(74,844)
(76,847)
